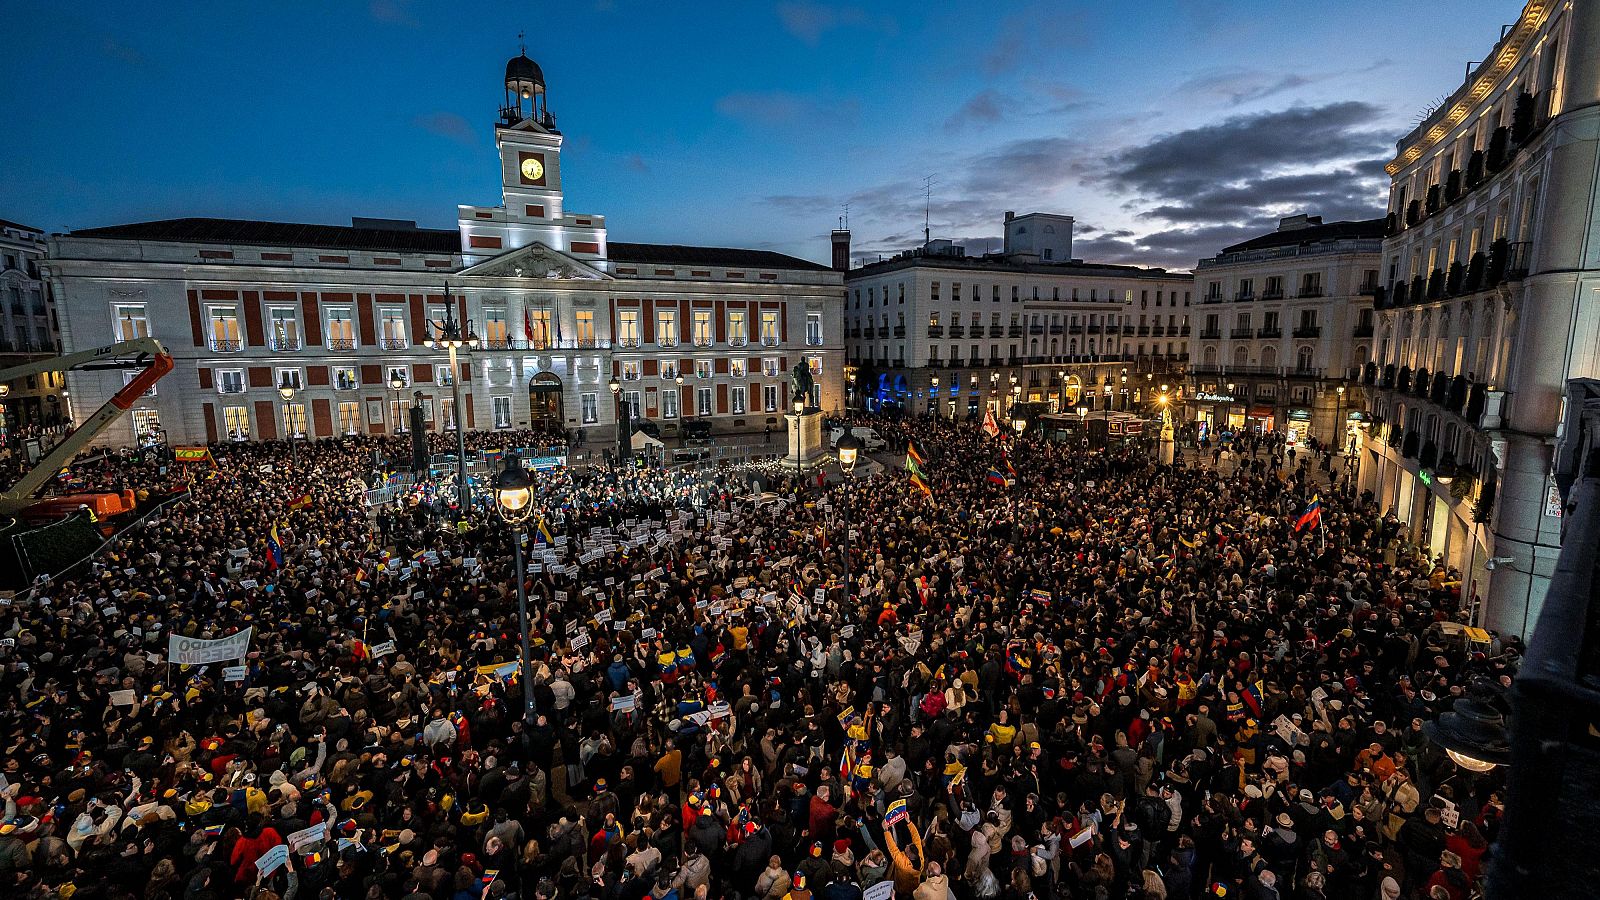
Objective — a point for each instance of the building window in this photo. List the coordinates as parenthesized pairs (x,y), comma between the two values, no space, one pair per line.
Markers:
(289,378)
(392,328)
(669,369)
(702,401)
(633,403)
(669,403)
(131,322)
(496,333)
(769,397)
(539,321)
(769,328)
(236,422)
(447,409)
(443,376)
(501,408)
(738,328)
(769,367)
(294,419)
(814,329)
(738,394)
(627,328)
(667,327)
(230,381)
(341,329)
(590,407)
(736,368)
(585,319)
(402,374)
(283,324)
(225,329)
(344,378)
(702,368)
(702,328)
(630,370)
(349,416)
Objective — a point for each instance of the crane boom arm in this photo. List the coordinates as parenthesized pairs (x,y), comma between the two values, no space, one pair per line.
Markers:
(139,352)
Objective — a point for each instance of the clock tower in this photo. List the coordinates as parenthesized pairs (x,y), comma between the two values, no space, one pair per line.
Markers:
(532,207)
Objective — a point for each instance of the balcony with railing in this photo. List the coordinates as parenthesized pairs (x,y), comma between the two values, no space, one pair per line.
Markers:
(1244,296)
(628,343)
(1309,293)
(1270,333)
(392,343)
(285,344)
(936,331)
(899,331)
(1241,334)
(957,331)
(1075,328)
(1272,295)
(1055,328)
(1035,329)
(1211,334)
(738,342)
(1183,330)
(1308,331)
(1014,331)
(225,345)
(995,331)
(1211,298)
(1362,330)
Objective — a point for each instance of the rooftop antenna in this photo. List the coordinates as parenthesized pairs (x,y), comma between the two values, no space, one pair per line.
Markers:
(522,42)
(928,181)
(844,220)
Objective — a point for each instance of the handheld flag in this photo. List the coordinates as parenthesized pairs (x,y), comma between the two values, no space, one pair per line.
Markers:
(897,813)
(990,427)
(919,484)
(1311,516)
(913,453)
(544,532)
(1251,695)
(995,477)
(274,549)
(300,502)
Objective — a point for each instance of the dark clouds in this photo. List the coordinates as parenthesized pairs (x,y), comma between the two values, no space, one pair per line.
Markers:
(446,125)
(809,22)
(1188,194)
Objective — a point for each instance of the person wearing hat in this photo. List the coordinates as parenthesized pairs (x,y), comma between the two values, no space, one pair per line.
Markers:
(775,881)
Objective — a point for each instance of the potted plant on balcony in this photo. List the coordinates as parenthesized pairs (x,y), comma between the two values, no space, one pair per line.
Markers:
(1499,149)
(1522,119)
(1474,170)
(1452,186)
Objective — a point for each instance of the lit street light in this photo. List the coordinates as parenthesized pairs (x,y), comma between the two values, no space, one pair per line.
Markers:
(513,497)
(452,336)
(287,393)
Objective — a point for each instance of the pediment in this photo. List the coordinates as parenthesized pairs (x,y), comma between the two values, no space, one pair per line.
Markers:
(536,261)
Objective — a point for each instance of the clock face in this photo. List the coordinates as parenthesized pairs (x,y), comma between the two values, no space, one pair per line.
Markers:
(532,169)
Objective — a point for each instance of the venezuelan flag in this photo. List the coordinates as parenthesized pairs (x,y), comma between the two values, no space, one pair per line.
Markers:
(994,477)
(1312,514)
(1251,695)
(274,549)
(545,537)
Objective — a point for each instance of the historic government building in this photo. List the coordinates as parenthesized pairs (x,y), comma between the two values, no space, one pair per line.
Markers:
(318,330)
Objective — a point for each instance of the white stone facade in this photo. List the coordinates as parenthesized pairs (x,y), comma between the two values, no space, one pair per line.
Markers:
(1490,305)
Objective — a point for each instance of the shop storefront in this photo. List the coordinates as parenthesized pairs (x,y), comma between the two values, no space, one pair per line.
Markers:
(1298,426)
(1215,415)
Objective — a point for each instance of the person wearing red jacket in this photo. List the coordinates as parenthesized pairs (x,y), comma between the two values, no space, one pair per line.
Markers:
(256,840)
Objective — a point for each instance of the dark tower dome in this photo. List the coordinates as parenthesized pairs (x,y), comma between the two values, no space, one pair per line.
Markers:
(524,74)
(525,96)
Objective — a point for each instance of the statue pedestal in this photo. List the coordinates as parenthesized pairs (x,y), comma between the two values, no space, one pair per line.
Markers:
(806,449)
(1166,449)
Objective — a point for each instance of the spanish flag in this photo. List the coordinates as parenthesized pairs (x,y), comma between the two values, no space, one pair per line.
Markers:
(300,502)
(919,484)
(913,454)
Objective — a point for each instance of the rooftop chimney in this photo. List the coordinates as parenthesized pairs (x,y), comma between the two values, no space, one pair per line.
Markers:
(841,249)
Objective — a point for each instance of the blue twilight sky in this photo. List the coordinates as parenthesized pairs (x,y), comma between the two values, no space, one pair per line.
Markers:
(1169,128)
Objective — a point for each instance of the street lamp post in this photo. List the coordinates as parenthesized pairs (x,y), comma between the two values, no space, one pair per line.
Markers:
(287,393)
(849,448)
(1105,412)
(513,497)
(1338,419)
(396,385)
(799,439)
(933,395)
(624,420)
(1083,423)
(452,336)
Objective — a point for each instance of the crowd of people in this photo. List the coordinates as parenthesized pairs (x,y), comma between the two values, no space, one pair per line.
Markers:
(1063,675)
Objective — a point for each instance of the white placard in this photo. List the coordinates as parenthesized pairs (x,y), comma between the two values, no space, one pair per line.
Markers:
(194,651)
(234,673)
(305,837)
(270,861)
(381,650)
(121,698)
